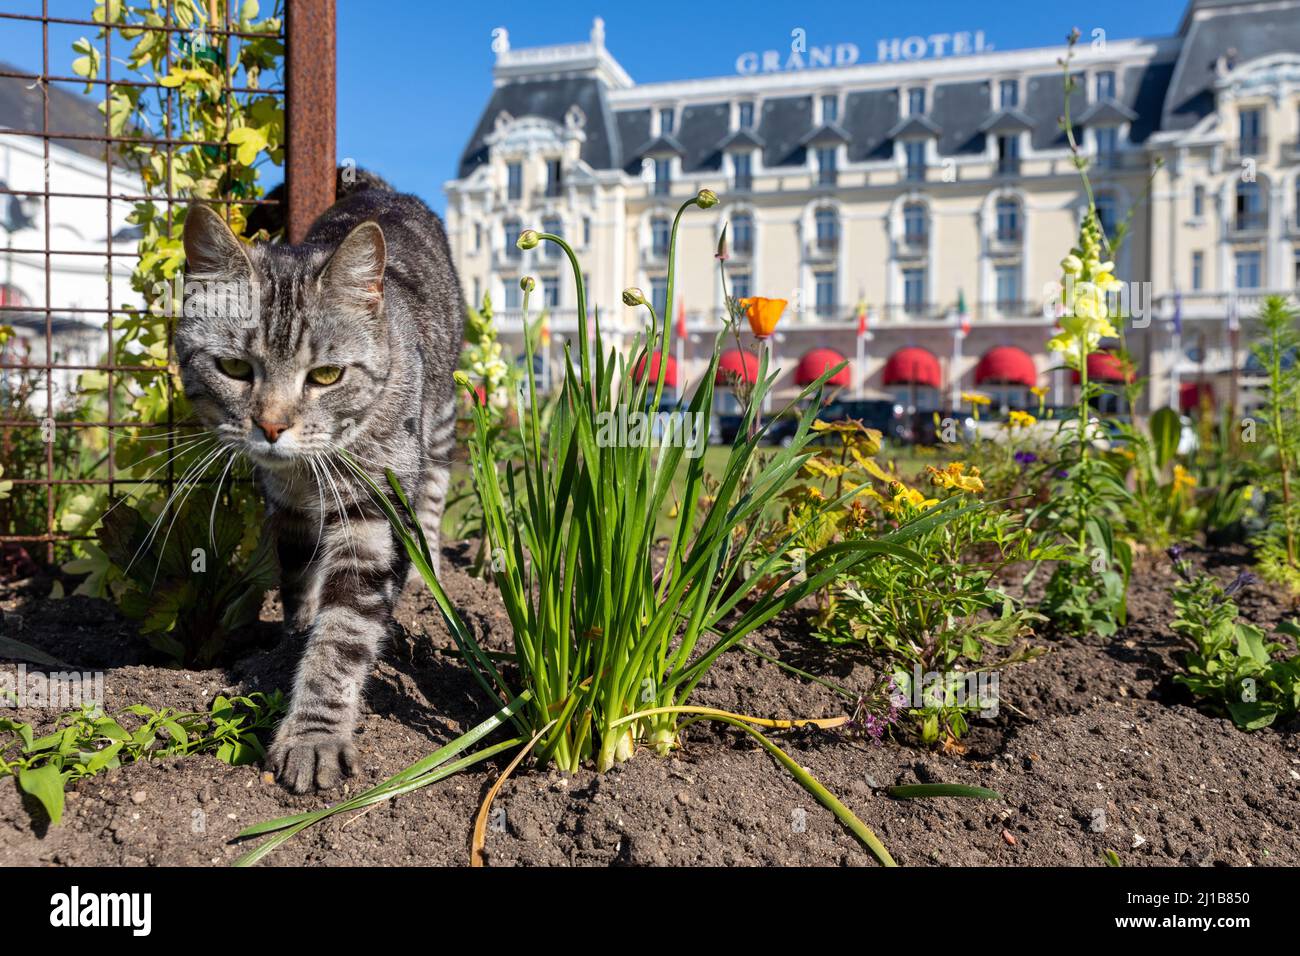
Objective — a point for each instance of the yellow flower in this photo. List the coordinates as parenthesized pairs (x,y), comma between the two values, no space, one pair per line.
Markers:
(905,499)
(1018,419)
(1038,391)
(955,476)
(763,314)
(976,398)
(1183,479)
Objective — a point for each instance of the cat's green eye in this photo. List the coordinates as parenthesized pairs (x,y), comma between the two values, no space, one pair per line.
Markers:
(235,367)
(325,375)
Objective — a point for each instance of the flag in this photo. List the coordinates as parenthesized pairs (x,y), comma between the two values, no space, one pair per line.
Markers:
(862,319)
(544,333)
(1178,313)
(681,319)
(1234,322)
(962,316)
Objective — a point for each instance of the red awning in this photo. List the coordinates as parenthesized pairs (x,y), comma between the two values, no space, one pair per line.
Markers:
(1006,365)
(814,363)
(1104,367)
(1190,395)
(912,366)
(737,366)
(670,370)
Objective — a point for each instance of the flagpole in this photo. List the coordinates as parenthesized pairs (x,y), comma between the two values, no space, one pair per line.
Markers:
(1176,345)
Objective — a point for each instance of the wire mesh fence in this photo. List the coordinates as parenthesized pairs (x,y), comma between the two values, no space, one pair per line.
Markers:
(120,116)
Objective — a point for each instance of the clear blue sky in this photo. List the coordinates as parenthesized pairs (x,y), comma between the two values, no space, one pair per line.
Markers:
(414,75)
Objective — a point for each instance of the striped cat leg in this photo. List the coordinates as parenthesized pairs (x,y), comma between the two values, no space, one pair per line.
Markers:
(352,594)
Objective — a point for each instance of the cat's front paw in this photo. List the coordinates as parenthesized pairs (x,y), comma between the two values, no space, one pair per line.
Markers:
(301,761)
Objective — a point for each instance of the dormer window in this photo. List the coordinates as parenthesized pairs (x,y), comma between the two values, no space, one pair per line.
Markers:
(826,172)
(663,176)
(1009,154)
(830,109)
(916,101)
(1105,85)
(1009,94)
(1106,141)
(914,154)
(667,116)
(554,177)
(742,165)
(745,115)
(1250,132)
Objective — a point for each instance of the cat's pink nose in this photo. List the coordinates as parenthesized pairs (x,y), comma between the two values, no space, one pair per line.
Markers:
(272,430)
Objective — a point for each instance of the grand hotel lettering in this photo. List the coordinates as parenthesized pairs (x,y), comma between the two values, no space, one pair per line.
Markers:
(898,49)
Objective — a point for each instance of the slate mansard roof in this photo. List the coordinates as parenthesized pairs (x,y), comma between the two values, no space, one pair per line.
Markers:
(1162,85)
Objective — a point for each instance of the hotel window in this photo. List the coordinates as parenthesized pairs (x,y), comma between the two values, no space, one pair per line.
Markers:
(742,235)
(513,295)
(1251,215)
(511,229)
(551,292)
(1009,154)
(1250,132)
(554,227)
(740,285)
(478,236)
(1008,220)
(916,101)
(830,109)
(586,230)
(1105,85)
(1296,276)
(824,293)
(827,225)
(1009,94)
(826,174)
(1007,282)
(554,177)
(663,177)
(1106,139)
(1198,201)
(1198,271)
(914,291)
(666,120)
(660,233)
(1248,269)
(914,153)
(659,295)
(742,165)
(514,181)
(1107,214)
(745,115)
(914,231)
(478,292)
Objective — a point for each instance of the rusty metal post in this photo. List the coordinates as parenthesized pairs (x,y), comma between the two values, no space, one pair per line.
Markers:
(310,104)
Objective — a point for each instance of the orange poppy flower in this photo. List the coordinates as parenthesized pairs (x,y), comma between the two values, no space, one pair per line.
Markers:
(763,314)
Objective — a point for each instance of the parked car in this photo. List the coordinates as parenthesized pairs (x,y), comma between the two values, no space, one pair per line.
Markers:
(881,414)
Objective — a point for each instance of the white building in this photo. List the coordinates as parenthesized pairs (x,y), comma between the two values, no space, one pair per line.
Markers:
(911,185)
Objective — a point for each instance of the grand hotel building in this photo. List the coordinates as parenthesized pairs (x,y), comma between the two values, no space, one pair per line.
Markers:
(940,192)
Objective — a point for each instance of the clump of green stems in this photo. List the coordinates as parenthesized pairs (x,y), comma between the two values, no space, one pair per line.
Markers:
(605,637)
(1279,544)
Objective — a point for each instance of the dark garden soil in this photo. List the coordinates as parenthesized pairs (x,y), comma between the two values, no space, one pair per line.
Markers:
(1094,749)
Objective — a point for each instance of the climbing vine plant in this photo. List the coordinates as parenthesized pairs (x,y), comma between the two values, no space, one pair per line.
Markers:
(199,118)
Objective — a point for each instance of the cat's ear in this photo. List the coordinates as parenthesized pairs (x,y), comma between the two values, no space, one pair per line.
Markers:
(211,249)
(355,272)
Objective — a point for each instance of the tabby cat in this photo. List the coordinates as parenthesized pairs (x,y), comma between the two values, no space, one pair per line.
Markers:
(347,341)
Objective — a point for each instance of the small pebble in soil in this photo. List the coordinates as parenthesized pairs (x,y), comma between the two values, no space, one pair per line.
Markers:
(1009,837)
(139,797)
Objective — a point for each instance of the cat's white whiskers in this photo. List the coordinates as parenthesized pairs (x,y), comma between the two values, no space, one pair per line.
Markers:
(192,474)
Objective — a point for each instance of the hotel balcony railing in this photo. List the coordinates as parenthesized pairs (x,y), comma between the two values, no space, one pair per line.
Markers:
(1218,303)
(827,177)
(654,254)
(743,184)
(823,247)
(1291,151)
(741,250)
(1254,221)
(915,173)
(1250,148)
(1118,159)
(1008,166)
(663,187)
(1009,237)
